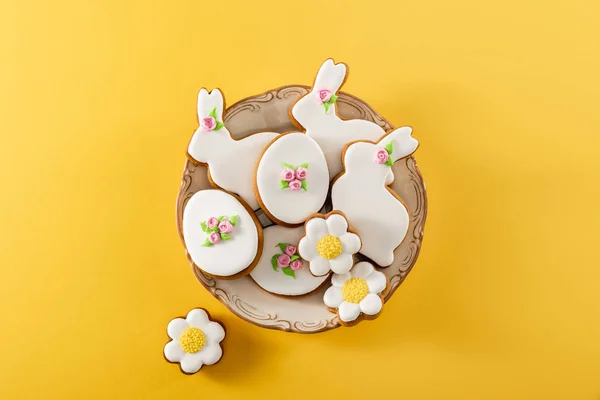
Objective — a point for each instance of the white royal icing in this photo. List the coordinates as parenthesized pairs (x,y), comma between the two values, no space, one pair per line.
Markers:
(276,281)
(370,304)
(380,219)
(330,131)
(227,257)
(230,162)
(209,354)
(284,204)
(316,229)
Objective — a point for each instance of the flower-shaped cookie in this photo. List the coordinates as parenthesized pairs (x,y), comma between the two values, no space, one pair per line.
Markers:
(196,341)
(329,245)
(357,292)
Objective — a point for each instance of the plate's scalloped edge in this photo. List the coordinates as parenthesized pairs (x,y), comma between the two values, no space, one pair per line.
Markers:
(271,321)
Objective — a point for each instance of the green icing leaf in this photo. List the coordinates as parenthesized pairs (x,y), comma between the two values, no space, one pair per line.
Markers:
(207,243)
(233,219)
(326,105)
(225,236)
(294,257)
(274,261)
(389,147)
(304,186)
(221,218)
(289,272)
(285,184)
(304,165)
(282,246)
(333,99)
(219,125)
(215,229)
(389,162)
(213,113)
(290,166)
(204,227)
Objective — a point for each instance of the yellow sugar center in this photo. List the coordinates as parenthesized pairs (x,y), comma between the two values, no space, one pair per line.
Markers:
(354,290)
(329,247)
(192,340)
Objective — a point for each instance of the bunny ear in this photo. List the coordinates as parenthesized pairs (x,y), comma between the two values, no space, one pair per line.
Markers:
(330,76)
(207,102)
(216,98)
(399,143)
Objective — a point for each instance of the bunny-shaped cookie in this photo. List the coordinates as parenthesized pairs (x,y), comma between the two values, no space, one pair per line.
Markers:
(374,210)
(316,113)
(230,162)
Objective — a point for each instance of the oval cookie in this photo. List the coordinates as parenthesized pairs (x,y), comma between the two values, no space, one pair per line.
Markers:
(221,234)
(280,269)
(291,179)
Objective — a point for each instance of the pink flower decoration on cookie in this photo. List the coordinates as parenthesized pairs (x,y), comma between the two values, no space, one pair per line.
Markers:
(218,229)
(214,238)
(301,173)
(288,174)
(290,250)
(283,261)
(324,95)
(208,123)
(381,156)
(212,222)
(296,265)
(287,260)
(295,185)
(225,227)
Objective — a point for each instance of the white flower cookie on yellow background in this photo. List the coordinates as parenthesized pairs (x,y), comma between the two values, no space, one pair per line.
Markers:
(196,341)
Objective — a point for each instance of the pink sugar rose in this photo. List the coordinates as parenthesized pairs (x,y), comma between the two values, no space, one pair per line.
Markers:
(208,123)
(225,227)
(290,250)
(283,261)
(381,156)
(295,185)
(288,174)
(301,173)
(296,265)
(324,95)
(214,238)
(212,222)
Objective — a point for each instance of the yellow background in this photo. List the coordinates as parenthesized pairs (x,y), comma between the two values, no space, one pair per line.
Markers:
(97,107)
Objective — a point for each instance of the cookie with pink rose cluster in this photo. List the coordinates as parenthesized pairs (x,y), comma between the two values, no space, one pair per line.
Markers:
(222,235)
(291,179)
(281,270)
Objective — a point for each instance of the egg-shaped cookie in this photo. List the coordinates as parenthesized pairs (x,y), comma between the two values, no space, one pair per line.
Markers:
(280,269)
(291,179)
(221,233)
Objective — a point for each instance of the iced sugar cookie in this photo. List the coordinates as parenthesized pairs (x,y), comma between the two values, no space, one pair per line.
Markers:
(316,113)
(230,162)
(357,294)
(329,244)
(375,211)
(221,233)
(291,179)
(280,269)
(195,341)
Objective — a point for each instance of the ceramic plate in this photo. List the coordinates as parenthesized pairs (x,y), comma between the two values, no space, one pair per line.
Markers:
(304,314)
